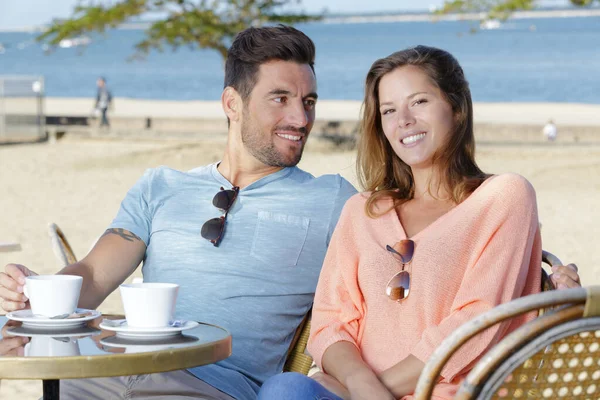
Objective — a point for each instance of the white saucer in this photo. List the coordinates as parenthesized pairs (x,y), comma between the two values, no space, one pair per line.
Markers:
(134,345)
(30,320)
(76,331)
(122,329)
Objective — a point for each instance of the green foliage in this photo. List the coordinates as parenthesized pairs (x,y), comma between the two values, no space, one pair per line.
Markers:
(496,9)
(582,2)
(208,24)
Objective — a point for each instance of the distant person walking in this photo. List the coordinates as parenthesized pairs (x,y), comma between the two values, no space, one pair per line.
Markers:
(550,131)
(103,101)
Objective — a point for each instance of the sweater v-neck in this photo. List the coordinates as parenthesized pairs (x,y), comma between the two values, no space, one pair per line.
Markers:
(402,232)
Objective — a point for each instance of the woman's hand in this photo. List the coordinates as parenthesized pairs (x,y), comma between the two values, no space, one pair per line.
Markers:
(349,374)
(331,384)
(366,386)
(565,276)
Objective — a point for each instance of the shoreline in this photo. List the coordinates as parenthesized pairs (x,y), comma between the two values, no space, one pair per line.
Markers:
(338,121)
(572,114)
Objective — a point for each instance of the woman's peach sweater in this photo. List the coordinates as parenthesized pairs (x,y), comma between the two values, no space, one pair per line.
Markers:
(483,252)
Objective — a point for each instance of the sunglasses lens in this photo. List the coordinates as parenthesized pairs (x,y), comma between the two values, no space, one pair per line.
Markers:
(224,199)
(405,249)
(212,229)
(399,286)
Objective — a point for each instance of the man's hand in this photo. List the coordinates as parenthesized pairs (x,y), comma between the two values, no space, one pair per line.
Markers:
(11,287)
(565,276)
(12,346)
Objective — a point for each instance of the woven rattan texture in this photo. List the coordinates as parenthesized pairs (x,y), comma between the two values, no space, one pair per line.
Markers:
(567,369)
(298,360)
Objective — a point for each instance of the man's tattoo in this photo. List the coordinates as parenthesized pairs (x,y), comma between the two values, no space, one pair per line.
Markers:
(123,233)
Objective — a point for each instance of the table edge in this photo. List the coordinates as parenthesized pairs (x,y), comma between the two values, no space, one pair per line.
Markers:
(103,365)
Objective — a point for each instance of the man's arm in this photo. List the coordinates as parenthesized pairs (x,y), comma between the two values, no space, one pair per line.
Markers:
(114,257)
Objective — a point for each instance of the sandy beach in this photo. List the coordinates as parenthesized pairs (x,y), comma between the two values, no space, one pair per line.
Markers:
(79,183)
(494,113)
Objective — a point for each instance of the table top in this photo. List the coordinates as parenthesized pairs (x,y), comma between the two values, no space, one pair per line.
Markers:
(9,246)
(87,351)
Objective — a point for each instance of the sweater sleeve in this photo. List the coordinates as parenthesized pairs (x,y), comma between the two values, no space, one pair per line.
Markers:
(337,308)
(508,259)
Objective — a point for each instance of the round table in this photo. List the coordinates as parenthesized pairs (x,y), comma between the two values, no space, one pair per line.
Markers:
(5,247)
(87,351)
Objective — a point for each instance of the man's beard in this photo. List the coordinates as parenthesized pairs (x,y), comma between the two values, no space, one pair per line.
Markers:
(261,146)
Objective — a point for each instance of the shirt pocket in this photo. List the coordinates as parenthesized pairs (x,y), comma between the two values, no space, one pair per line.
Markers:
(279,238)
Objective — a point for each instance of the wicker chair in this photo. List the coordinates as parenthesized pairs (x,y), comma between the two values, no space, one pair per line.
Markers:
(61,247)
(556,355)
(299,361)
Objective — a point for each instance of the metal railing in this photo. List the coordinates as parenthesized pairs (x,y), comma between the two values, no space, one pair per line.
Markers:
(22,108)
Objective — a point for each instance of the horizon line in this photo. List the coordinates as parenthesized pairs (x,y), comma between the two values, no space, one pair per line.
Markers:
(391,16)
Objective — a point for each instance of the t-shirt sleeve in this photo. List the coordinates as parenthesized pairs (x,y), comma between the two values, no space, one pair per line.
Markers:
(344,192)
(509,260)
(134,214)
(337,308)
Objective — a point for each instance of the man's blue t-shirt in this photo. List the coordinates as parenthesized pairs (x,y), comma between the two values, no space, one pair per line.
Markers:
(260,282)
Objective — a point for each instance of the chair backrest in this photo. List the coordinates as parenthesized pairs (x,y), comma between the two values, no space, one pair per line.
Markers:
(551,260)
(61,247)
(560,362)
(555,355)
(299,361)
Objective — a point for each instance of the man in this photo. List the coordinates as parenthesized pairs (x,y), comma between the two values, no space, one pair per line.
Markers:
(258,278)
(103,100)
(550,131)
(254,271)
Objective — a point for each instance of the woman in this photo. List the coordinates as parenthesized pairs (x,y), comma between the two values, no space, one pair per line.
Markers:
(432,243)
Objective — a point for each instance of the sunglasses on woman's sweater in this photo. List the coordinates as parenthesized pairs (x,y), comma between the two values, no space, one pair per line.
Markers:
(398,287)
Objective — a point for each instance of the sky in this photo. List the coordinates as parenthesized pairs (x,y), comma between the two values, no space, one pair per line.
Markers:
(26,13)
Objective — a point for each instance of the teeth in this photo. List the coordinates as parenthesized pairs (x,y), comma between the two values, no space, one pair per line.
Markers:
(413,138)
(290,137)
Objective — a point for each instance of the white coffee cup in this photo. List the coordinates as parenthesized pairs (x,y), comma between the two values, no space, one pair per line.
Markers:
(52,295)
(48,346)
(149,305)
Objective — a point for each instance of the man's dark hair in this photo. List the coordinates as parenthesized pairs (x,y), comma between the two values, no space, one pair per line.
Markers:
(255,46)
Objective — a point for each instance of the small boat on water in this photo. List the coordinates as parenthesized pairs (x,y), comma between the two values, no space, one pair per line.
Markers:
(74,42)
(490,24)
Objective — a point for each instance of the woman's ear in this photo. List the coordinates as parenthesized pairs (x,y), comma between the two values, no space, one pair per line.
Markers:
(232,103)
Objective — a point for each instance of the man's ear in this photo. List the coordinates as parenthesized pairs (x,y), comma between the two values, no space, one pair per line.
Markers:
(232,103)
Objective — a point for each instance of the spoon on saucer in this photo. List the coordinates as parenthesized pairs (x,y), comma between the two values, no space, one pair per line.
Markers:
(72,315)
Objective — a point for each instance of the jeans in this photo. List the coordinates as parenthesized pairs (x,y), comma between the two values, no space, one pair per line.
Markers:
(294,386)
(104,121)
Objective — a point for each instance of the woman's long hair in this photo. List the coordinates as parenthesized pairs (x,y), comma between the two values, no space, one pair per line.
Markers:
(380,170)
